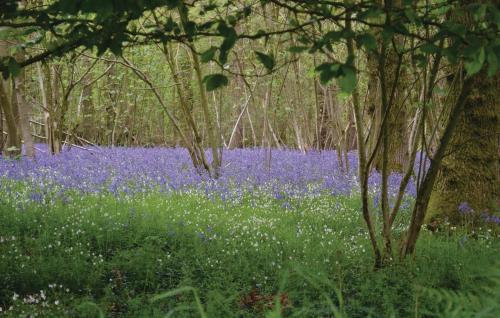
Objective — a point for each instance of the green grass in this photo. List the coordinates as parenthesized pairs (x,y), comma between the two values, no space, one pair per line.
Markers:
(188,256)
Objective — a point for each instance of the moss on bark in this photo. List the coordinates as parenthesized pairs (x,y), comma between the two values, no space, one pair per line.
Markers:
(469,172)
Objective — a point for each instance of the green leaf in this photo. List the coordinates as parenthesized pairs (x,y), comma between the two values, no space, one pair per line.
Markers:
(13,67)
(333,36)
(172,4)
(478,10)
(454,28)
(387,33)
(327,71)
(214,81)
(190,28)
(225,30)
(451,53)
(473,66)
(170,25)
(297,49)
(410,14)
(429,48)
(209,7)
(419,59)
(368,41)
(66,6)
(230,37)
(347,81)
(371,13)
(89,304)
(103,9)
(492,63)
(180,290)
(171,293)
(208,55)
(266,60)
(6,33)
(247,10)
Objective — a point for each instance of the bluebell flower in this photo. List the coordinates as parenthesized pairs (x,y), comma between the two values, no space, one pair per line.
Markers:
(462,240)
(464,208)
(201,236)
(36,197)
(139,170)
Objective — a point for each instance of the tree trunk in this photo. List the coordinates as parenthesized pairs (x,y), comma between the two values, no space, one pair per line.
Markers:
(85,113)
(469,171)
(45,91)
(13,145)
(426,187)
(24,116)
(2,139)
(393,89)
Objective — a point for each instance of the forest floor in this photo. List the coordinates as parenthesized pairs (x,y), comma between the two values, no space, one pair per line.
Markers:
(216,251)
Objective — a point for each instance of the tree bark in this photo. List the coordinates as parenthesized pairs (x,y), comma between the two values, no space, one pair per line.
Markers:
(469,172)
(386,67)
(425,188)
(13,145)
(24,116)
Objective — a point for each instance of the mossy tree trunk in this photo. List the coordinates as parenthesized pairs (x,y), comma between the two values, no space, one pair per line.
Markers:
(469,172)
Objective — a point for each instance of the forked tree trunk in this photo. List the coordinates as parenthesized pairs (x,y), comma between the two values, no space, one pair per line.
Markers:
(394,90)
(213,136)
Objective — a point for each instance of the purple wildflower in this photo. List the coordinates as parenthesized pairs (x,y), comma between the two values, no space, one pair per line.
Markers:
(464,208)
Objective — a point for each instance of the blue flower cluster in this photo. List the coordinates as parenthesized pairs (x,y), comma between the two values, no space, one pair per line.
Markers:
(139,170)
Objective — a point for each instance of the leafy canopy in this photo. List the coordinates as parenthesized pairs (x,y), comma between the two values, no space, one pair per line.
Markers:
(67,25)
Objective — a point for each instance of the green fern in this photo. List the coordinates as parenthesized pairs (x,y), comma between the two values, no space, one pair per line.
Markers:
(483,301)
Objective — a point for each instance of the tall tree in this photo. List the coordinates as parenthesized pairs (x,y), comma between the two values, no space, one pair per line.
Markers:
(468,179)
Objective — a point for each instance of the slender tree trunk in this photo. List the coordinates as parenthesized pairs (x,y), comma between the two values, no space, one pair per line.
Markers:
(13,144)
(85,114)
(181,75)
(213,136)
(24,115)
(397,119)
(44,84)
(362,163)
(350,134)
(59,103)
(425,188)
(2,139)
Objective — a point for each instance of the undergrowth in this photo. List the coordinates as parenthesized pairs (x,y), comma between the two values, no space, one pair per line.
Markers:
(185,255)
